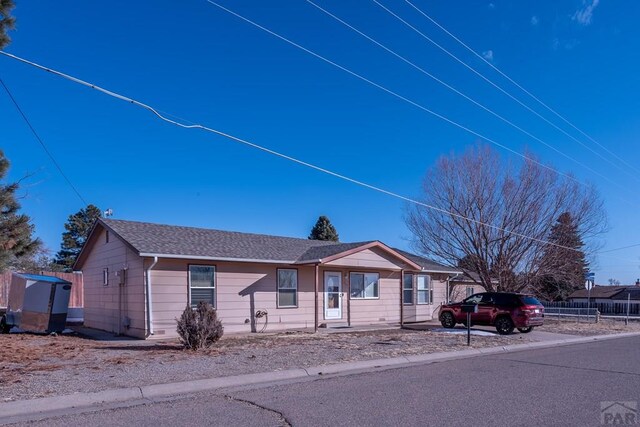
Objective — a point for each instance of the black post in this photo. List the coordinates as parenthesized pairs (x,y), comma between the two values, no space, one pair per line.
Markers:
(468,328)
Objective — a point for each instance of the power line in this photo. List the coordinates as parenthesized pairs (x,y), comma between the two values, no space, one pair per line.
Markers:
(458,92)
(619,249)
(526,92)
(489,81)
(156,112)
(42,144)
(395,94)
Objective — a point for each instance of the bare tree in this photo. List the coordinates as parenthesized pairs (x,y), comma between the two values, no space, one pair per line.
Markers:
(497,216)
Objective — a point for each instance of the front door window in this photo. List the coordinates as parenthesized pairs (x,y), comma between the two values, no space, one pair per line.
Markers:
(332,295)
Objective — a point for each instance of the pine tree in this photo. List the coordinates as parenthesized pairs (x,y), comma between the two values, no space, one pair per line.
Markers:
(73,239)
(15,229)
(7,22)
(324,230)
(564,263)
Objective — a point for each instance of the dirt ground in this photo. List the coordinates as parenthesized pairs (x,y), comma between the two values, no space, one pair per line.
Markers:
(604,326)
(37,365)
(34,366)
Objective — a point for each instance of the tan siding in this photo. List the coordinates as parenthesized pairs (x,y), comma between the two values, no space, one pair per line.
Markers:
(103,303)
(368,258)
(241,290)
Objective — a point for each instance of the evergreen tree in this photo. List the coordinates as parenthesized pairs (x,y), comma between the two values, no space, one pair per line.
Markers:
(564,263)
(15,229)
(73,239)
(324,230)
(7,22)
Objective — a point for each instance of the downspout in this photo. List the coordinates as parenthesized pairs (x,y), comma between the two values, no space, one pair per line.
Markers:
(449,278)
(149,303)
(401,299)
(315,293)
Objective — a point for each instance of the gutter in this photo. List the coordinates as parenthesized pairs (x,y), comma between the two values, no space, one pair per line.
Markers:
(149,303)
(210,258)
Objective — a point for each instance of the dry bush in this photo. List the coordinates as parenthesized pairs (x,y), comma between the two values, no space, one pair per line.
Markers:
(199,328)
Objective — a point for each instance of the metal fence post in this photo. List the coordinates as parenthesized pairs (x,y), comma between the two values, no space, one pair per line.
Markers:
(626,321)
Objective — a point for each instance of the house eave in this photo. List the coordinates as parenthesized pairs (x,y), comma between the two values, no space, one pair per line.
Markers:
(215,258)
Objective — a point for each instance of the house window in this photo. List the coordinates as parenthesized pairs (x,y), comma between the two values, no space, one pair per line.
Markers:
(364,285)
(407,289)
(469,291)
(105,277)
(106,236)
(287,287)
(425,290)
(202,286)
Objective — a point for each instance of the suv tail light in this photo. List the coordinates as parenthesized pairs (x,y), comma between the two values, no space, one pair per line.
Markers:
(530,309)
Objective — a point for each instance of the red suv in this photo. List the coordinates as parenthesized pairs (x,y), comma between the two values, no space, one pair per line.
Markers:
(503,310)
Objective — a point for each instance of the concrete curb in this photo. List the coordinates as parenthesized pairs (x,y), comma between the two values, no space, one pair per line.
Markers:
(82,400)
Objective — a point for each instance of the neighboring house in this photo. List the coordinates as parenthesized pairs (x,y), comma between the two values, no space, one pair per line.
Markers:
(139,277)
(604,294)
(463,286)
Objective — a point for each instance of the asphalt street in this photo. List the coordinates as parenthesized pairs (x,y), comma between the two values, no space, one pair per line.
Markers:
(564,386)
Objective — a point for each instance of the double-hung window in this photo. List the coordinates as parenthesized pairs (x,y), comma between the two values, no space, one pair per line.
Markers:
(469,291)
(424,289)
(407,289)
(202,284)
(287,287)
(364,285)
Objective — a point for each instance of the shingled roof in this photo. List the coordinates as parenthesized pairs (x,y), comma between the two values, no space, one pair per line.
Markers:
(148,239)
(427,264)
(608,292)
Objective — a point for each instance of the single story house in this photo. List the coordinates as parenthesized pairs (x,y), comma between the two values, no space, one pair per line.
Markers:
(139,277)
(606,294)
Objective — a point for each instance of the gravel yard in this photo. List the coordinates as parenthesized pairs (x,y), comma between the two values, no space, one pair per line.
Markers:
(572,327)
(34,366)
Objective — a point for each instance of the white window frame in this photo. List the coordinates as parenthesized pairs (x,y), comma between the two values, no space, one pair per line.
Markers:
(214,287)
(295,270)
(364,295)
(405,289)
(470,288)
(105,276)
(428,290)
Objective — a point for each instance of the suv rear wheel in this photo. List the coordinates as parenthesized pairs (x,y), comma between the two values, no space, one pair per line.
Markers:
(504,325)
(447,320)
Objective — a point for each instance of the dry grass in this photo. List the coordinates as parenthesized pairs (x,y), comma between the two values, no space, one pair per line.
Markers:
(573,327)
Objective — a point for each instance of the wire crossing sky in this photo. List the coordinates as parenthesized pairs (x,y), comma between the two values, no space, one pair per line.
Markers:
(214,69)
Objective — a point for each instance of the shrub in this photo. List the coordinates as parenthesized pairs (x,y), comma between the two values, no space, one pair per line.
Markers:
(199,328)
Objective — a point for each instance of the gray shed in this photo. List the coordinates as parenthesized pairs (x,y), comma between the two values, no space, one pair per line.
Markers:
(37,303)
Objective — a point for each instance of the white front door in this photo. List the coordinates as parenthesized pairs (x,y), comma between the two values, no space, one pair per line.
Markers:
(332,295)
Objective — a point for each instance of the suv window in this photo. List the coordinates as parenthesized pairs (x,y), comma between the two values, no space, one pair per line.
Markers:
(487,299)
(473,299)
(507,300)
(527,300)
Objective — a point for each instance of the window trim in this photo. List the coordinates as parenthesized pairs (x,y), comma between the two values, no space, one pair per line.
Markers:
(412,289)
(364,297)
(429,290)
(105,276)
(214,287)
(278,288)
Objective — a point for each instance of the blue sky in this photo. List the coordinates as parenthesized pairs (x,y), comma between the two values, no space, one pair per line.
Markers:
(198,62)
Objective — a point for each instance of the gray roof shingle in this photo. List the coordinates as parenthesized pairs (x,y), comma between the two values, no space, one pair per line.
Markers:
(148,238)
(190,242)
